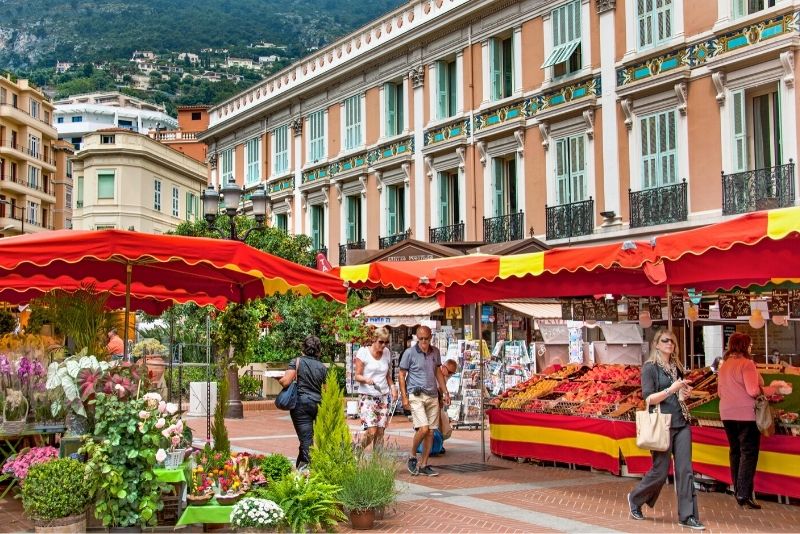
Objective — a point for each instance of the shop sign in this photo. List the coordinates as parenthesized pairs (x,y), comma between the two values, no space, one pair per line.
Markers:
(779,304)
(633,308)
(486,311)
(794,304)
(676,306)
(452,312)
(655,308)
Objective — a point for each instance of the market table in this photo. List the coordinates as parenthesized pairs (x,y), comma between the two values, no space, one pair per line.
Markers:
(600,444)
(211,513)
(11,444)
(176,477)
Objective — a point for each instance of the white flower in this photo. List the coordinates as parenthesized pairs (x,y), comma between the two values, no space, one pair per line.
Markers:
(172,408)
(161,455)
(144,414)
(160,424)
(162,407)
(152,396)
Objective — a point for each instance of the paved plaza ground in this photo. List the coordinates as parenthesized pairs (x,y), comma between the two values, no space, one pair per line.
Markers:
(511,497)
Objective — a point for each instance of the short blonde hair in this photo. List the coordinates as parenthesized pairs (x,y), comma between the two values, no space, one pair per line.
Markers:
(380,333)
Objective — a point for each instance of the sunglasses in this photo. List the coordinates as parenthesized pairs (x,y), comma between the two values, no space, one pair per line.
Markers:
(667,340)
(423,339)
(380,341)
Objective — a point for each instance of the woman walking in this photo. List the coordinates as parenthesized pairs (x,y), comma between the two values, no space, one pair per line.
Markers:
(311,374)
(374,377)
(739,385)
(663,385)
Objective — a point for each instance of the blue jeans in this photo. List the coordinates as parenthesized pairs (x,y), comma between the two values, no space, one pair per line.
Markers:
(303,417)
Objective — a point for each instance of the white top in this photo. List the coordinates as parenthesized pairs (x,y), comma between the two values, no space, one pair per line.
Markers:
(375,370)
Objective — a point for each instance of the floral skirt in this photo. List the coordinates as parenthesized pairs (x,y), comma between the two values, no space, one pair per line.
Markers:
(374,411)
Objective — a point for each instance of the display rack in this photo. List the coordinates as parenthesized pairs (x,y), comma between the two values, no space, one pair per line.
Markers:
(467,391)
(510,365)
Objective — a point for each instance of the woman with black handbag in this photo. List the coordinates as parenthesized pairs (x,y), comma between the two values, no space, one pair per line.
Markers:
(310,374)
(739,385)
(663,385)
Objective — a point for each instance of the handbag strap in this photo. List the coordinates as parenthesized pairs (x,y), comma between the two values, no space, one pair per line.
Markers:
(297,369)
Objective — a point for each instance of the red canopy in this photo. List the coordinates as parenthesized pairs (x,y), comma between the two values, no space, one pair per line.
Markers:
(174,267)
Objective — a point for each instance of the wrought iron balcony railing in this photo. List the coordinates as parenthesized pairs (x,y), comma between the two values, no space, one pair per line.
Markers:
(452,233)
(759,189)
(389,240)
(343,248)
(570,220)
(659,205)
(503,228)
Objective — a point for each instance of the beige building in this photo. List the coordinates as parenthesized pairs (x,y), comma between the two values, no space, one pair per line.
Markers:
(128,181)
(489,121)
(34,181)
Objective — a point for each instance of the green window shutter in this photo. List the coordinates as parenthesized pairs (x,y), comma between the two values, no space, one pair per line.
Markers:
(664,19)
(391,210)
(351,220)
(452,88)
(511,185)
(562,172)
(442,89)
(498,188)
(401,209)
(495,67)
(739,132)
(399,112)
(668,153)
(444,184)
(577,167)
(738,8)
(508,67)
(105,185)
(188,205)
(644,11)
(649,151)
(79,193)
(390,108)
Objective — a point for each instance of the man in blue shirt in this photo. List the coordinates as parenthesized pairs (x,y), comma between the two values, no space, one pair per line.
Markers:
(421,380)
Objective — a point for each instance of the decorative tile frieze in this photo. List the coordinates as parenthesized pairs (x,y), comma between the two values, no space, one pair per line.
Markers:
(285,185)
(362,160)
(403,147)
(315,174)
(453,130)
(697,54)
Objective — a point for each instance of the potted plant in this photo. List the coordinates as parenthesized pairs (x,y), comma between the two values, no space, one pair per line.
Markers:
(63,380)
(56,494)
(175,437)
(256,515)
(309,503)
(368,487)
(200,487)
(150,351)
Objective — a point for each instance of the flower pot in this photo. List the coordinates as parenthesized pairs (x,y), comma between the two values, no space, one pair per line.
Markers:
(198,500)
(69,525)
(174,459)
(362,519)
(155,367)
(228,499)
(15,412)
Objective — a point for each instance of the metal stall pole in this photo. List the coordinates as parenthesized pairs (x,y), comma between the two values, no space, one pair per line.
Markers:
(208,378)
(766,342)
(691,340)
(170,381)
(479,338)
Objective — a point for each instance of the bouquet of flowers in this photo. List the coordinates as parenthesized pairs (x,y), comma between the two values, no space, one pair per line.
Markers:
(256,513)
(18,465)
(202,484)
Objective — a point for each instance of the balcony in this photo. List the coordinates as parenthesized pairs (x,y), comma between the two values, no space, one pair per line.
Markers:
(11,112)
(389,240)
(15,149)
(453,233)
(503,228)
(570,220)
(759,189)
(356,245)
(660,205)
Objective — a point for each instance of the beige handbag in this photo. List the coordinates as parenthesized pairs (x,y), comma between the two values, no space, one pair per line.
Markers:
(765,421)
(652,429)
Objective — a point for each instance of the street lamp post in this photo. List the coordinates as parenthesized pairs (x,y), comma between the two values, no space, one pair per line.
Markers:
(231,196)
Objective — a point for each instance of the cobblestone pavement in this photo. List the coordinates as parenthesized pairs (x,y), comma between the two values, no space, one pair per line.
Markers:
(510,497)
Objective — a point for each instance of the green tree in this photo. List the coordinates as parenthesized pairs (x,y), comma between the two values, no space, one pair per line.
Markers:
(332,455)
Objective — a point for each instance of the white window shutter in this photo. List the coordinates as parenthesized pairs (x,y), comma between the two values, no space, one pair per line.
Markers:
(442,82)
(739,131)
(496,67)
(577,167)
(390,108)
(499,187)
(738,8)
(561,174)
(444,183)
(663,19)
(649,151)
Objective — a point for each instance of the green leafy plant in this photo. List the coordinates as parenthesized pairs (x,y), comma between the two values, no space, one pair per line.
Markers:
(81,315)
(56,489)
(370,484)
(7,322)
(148,347)
(219,431)
(275,466)
(187,376)
(126,438)
(250,387)
(332,452)
(63,376)
(308,503)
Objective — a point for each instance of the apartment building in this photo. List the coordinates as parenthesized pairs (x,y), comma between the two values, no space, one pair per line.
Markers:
(490,121)
(191,121)
(79,115)
(129,181)
(34,180)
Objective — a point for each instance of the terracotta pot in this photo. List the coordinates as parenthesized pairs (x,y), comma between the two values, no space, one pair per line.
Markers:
(198,500)
(362,519)
(155,367)
(69,525)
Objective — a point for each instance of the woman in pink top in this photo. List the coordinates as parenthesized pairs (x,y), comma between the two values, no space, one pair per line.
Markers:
(739,385)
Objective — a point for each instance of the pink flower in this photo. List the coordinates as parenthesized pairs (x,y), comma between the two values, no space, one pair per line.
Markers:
(162,407)
(176,440)
(161,455)
(141,427)
(161,422)
(144,414)
(166,433)
(172,408)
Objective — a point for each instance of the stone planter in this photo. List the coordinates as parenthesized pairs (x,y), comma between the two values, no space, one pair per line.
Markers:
(69,525)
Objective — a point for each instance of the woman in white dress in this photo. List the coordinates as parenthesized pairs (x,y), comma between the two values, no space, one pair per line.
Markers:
(375,385)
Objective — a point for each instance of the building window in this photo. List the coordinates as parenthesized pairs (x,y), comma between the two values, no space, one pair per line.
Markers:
(395,209)
(175,197)
(746,7)
(393,108)
(34,108)
(317,227)
(77,118)
(106,139)
(353,219)
(192,206)
(68,197)
(501,67)
(33,146)
(316,136)
(756,134)
(34,174)
(655,22)
(79,193)
(33,213)
(76,142)
(448,199)
(504,186)
(252,154)
(157,195)
(60,120)
(196,116)
(565,58)
(352,122)
(280,143)
(47,117)
(659,150)
(570,171)
(226,164)
(446,89)
(282,222)
(105,185)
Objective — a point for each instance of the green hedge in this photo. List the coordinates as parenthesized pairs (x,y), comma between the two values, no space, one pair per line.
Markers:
(190,374)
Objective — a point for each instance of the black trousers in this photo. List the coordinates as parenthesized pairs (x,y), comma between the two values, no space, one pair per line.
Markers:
(744,440)
(303,417)
(648,490)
